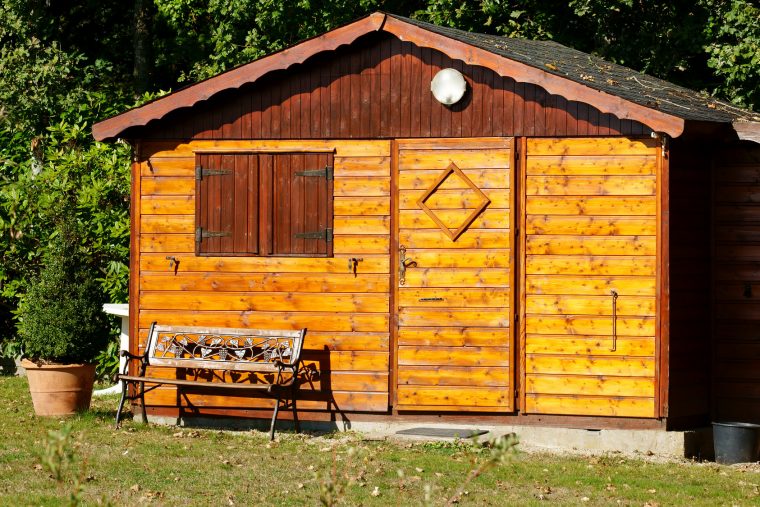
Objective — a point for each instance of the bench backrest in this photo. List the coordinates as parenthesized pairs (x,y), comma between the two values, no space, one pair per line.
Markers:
(223,348)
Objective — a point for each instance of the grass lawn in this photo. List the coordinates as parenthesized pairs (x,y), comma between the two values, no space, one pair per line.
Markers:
(168,466)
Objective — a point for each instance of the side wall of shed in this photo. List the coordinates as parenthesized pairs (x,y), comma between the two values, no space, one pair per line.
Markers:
(736,284)
(689,352)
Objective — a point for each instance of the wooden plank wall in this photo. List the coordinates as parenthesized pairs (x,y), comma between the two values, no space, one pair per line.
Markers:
(736,284)
(455,307)
(347,344)
(379,87)
(688,402)
(591,224)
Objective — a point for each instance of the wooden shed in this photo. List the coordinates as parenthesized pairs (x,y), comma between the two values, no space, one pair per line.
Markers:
(571,243)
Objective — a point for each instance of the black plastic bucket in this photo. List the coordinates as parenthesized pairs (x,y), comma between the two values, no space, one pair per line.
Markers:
(736,442)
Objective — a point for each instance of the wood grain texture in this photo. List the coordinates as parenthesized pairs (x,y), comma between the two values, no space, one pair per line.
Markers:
(348,94)
(735,385)
(347,314)
(591,224)
(454,308)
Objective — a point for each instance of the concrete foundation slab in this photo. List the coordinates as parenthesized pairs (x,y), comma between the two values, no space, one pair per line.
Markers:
(695,444)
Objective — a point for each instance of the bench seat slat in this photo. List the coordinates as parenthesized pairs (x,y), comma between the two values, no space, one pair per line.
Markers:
(250,366)
(195,383)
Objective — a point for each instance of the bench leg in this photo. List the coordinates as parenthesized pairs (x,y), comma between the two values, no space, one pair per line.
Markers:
(142,401)
(274,416)
(121,402)
(294,390)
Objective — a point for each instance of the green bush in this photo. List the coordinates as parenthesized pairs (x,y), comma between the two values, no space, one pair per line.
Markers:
(61,319)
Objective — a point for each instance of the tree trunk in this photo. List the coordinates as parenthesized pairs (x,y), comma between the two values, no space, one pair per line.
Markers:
(141,69)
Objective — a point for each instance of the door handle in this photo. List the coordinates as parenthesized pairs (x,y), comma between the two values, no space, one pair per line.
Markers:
(403,263)
(615,296)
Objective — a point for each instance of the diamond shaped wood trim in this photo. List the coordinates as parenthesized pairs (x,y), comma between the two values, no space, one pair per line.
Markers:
(485,201)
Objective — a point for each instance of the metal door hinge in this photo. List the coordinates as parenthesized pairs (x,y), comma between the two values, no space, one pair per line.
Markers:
(326,235)
(326,173)
(201,172)
(200,233)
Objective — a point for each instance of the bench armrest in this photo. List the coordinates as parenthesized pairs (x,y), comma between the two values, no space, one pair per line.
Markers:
(129,355)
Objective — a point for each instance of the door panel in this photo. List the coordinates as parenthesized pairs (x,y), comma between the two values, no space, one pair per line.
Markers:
(590,278)
(454,302)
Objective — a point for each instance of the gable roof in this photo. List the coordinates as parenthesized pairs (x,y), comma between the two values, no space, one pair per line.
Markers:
(611,88)
(599,74)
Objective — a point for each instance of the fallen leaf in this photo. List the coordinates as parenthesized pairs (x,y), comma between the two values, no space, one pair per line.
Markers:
(419,470)
(376,491)
(585,499)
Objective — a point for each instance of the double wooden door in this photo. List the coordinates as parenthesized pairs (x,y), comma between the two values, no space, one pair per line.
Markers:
(453,275)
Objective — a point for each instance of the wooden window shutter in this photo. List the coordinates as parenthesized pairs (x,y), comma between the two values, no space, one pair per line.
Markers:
(302,199)
(227,204)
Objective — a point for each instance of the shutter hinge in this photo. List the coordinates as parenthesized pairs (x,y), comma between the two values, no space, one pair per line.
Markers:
(200,233)
(201,172)
(326,235)
(326,173)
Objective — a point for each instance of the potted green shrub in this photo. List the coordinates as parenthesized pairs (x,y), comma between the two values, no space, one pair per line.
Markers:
(62,327)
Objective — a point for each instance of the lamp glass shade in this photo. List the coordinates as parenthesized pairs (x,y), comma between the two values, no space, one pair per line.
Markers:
(448,86)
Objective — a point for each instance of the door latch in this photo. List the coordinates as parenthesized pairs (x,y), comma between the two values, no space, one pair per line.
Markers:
(403,263)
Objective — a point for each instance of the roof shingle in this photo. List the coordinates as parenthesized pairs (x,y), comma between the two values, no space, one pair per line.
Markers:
(600,75)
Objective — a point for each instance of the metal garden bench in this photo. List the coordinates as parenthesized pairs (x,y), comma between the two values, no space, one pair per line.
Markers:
(207,355)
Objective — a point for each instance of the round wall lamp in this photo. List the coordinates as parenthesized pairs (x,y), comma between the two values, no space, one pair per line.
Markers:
(448,86)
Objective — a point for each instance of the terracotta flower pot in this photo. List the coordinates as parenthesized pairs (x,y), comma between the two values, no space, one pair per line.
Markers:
(60,389)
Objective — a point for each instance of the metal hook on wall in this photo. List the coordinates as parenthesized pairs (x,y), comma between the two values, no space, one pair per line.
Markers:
(173,263)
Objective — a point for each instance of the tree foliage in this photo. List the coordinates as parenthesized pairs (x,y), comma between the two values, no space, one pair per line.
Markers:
(733,49)
(66,65)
